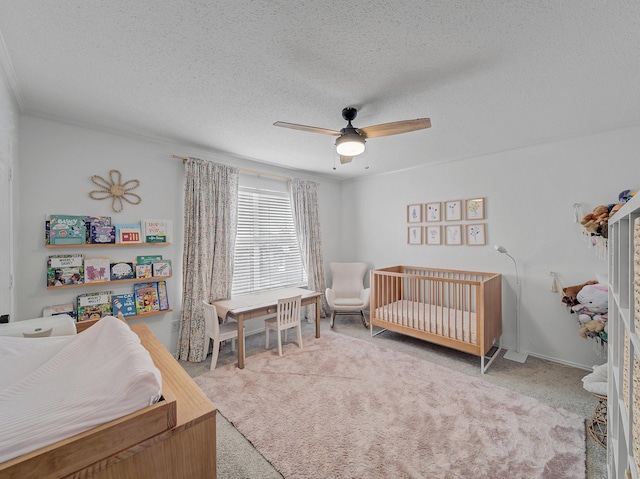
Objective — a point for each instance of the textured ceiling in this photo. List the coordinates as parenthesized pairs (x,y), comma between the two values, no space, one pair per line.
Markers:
(492,75)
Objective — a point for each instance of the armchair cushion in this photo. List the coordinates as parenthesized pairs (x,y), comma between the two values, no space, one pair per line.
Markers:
(347,292)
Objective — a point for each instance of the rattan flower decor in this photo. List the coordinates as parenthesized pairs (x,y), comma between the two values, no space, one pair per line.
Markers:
(116,190)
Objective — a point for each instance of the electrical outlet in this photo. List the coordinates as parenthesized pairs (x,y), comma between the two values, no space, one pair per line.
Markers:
(175,326)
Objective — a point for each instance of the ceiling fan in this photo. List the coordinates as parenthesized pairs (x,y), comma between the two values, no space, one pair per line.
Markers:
(351,140)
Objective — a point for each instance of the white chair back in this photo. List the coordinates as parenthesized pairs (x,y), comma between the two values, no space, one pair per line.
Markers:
(288,313)
(212,326)
(347,279)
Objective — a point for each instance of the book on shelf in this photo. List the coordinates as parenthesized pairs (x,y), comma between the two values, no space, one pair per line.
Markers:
(67,229)
(148,259)
(57,309)
(161,268)
(128,233)
(102,234)
(124,305)
(64,269)
(143,271)
(163,297)
(98,220)
(94,305)
(122,270)
(97,270)
(156,231)
(146,295)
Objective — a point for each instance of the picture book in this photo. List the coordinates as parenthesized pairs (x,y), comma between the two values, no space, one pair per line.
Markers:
(148,259)
(143,271)
(146,297)
(156,231)
(128,233)
(64,269)
(60,309)
(47,227)
(102,234)
(98,220)
(163,297)
(97,270)
(94,305)
(124,305)
(64,229)
(122,270)
(161,268)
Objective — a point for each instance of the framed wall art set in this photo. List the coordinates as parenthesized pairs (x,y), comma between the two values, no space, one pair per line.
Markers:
(471,232)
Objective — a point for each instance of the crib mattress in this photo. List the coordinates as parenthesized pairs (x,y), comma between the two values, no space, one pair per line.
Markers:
(447,322)
(61,386)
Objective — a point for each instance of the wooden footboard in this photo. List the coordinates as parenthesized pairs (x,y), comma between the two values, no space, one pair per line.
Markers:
(458,309)
(174,438)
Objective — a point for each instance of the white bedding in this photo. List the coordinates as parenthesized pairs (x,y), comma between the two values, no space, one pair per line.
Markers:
(451,323)
(57,387)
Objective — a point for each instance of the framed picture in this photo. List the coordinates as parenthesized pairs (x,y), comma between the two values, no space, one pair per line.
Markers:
(432,212)
(434,234)
(414,235)
(453,210)
(453,234)
(414,214)
(476,235)
(475,209)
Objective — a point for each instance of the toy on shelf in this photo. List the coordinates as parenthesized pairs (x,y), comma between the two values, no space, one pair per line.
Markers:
(590,302)
(596,224)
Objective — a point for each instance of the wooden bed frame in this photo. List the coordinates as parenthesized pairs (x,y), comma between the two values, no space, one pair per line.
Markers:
(458,309)
(174,438)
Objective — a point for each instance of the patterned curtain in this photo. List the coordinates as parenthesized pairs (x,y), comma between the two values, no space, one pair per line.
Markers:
(304,204)
(210,221)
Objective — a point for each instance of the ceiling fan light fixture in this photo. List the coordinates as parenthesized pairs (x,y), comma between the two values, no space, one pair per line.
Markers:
(350,145)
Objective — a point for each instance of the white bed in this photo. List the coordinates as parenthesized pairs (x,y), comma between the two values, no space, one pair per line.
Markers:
(61,386)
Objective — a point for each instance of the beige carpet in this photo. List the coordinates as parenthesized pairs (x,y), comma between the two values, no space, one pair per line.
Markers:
(343,407)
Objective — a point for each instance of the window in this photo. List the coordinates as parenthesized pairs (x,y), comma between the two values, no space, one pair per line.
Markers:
(267,254)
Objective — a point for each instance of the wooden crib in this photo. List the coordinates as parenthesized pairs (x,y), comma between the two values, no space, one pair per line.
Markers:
(458,309)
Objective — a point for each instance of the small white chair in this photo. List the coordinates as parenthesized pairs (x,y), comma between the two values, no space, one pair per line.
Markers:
(217,332)
(347,294)
(287,317)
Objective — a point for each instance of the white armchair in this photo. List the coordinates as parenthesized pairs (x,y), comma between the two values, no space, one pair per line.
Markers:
(347,293)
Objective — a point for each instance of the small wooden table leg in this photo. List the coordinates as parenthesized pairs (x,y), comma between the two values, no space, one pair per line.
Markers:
(318,299)
(240,342)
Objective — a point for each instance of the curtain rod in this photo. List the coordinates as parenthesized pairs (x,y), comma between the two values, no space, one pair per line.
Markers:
(245,170)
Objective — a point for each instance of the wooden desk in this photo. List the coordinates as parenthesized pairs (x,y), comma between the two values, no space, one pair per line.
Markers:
(263,304)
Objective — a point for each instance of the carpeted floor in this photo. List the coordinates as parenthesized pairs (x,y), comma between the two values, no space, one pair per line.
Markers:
(550,383)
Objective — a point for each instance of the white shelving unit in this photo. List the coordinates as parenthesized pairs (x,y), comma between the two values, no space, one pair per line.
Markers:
(623,398)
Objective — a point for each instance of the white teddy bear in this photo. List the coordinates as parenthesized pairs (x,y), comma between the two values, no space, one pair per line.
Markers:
(596,382)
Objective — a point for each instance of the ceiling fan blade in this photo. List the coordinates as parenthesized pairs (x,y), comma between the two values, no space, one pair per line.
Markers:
(395,127)
(311,129)
(345,159)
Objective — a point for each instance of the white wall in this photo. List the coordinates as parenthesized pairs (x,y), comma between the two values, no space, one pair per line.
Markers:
(8,153)
(529,195)
(529,204)
(57,161)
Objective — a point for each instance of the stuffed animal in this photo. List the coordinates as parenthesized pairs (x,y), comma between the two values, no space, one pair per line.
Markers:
(596,382)
(597,222)
(595,297)
(594,326)
(625,196)
(570,293)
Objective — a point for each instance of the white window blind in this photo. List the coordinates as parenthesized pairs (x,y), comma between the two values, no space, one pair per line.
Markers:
(266,255)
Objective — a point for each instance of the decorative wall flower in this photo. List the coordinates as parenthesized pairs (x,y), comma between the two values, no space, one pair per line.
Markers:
(115,189)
